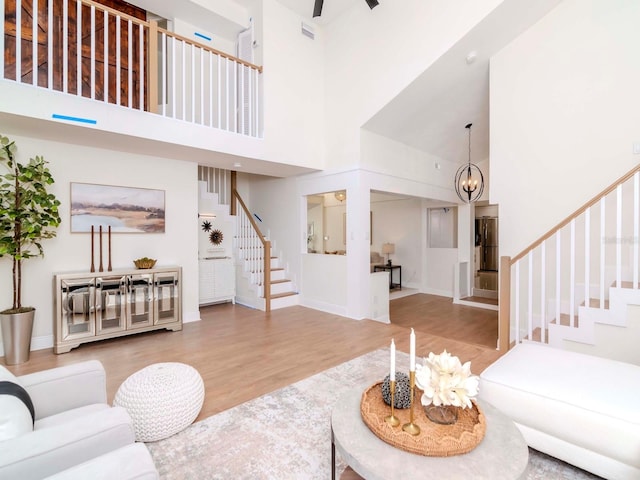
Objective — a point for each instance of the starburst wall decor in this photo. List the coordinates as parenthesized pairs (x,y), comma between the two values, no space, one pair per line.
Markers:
(206,226)
(216,237)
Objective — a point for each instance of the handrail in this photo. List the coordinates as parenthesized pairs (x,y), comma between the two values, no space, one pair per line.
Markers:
(249,216)
(212,50)
(113,11)
(144,23)
(266,244)
(576,214)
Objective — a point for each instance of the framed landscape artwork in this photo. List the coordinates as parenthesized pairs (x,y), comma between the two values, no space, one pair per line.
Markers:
(124,209)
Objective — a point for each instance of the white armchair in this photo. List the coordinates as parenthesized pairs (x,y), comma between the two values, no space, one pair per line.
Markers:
(73,423)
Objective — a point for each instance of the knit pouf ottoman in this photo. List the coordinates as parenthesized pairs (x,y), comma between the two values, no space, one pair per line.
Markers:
(162,399)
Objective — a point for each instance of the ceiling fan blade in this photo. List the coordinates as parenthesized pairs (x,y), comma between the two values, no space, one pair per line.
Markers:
(317,8)
(372,3)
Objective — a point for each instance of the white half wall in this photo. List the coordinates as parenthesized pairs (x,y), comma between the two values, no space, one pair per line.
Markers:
(564,115)
(70,252)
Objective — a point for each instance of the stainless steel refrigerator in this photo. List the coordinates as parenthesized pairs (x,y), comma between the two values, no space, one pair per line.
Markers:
(487,240)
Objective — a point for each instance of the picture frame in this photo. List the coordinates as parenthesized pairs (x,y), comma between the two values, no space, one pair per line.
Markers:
(124,209)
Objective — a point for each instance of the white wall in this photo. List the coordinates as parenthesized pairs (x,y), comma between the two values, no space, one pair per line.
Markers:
(71,252)
(274,201)
(293,82)
(399,222)
(393,44)
(563,114)
(219,42)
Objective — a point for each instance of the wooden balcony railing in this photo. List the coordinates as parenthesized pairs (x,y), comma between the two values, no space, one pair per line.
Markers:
(86,49)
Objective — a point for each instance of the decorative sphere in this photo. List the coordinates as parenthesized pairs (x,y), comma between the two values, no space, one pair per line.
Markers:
(402,396)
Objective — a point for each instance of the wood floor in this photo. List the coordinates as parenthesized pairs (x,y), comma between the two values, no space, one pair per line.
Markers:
(243,353)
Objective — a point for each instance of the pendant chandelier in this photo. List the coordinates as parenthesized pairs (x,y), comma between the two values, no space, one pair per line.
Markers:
(469,180)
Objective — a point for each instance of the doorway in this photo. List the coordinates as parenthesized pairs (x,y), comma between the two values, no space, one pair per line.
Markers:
(486,254)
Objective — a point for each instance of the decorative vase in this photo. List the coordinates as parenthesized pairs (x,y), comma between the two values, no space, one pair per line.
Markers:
(442,414)
(402,397)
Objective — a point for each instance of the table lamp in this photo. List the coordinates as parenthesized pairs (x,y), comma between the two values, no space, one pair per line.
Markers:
(388,248)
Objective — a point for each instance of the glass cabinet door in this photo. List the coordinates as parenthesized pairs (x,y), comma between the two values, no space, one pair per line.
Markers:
(139,300)
(110,304)
(77,308)
(167,299)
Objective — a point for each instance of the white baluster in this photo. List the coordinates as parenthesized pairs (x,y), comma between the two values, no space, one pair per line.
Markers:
(543,291)
(219,64)
(184,80)
(530,297)
(164,63)
(572,274)
(587,256)
(105,58)
(49,43)
(202,122)
(174,102)
(93,52)
(558,274)
(65,46)
(2,36)
(210,58)
(602,248)
(193,83)
(227,96)
(130,66)
(78,48)
(517,303)
(118,62)
(141,72)
(34,44)
(636,225)
(619,236)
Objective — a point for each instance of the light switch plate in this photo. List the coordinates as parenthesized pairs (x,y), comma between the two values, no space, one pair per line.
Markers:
(636,148)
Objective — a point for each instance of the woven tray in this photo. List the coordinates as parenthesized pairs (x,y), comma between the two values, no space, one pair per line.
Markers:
(434,440)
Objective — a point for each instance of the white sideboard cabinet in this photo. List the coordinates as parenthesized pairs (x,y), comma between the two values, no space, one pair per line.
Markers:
(99,305)
(217,280)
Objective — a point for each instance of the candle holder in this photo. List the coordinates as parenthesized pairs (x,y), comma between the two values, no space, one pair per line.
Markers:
(392,419)
(411,428)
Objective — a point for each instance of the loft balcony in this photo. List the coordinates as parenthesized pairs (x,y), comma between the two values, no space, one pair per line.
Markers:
(82,49)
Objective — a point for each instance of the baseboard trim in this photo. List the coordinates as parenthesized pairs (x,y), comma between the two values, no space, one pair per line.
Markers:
(189,317)
(440,293)
(324,307)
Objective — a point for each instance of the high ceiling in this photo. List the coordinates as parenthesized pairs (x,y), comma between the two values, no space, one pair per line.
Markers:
(431,113)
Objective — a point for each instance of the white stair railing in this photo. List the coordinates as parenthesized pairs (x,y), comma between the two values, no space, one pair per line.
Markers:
(573,265)
(255,250)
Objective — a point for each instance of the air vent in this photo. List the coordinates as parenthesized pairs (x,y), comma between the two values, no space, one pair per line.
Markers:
(307,30)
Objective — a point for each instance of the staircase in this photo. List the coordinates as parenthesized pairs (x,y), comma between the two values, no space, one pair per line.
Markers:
(217,187)
(578,286)
(260,284)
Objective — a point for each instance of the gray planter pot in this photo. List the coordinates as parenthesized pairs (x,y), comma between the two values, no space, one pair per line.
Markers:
(16,336)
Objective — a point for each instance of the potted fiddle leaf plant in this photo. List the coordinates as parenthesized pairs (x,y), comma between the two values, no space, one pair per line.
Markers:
(28,215)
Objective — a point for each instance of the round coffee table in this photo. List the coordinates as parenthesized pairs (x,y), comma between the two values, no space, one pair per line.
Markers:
(502,454)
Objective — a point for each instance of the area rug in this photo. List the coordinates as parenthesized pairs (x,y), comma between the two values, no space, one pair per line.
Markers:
(286,434)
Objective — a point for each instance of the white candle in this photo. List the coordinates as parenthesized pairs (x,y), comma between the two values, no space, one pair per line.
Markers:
(412,351)
(392,362)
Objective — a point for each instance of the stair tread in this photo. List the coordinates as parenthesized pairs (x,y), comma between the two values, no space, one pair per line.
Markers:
(565,320)
(625,284)
(595,303)
(281,295)
(284,280)
(537,337)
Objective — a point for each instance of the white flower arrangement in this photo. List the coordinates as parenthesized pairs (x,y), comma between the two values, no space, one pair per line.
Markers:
(445,381)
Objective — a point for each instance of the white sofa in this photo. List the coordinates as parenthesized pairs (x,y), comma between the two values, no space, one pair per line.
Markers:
(73,422)
(579,408)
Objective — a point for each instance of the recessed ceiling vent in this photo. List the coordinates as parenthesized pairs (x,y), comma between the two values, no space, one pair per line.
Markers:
(307,30)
